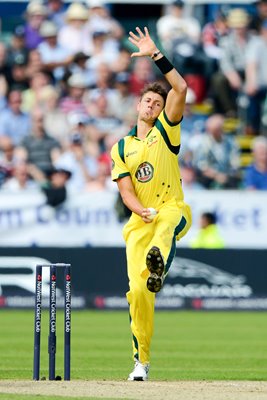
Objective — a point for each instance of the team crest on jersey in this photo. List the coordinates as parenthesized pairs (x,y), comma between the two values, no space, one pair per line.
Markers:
(144,172)
(152,140)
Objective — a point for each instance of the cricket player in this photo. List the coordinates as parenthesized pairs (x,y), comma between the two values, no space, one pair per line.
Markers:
(145,167)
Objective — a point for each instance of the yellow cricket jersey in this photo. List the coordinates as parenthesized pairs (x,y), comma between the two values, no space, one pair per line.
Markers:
(152,163)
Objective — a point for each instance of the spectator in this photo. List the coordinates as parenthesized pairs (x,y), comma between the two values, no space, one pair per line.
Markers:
(55,120)
(8,159)
(256,79)
(141,75)
(174,25)
(217,157)
(4,75)
(34,63)
(259,17)
(103,78)
(54,56)
(101,122)
(18,78)
(36,13)
(102,52)
(212,34)
(40,148)
(30,97)
(228,83)
(74,100)
(122,62)
(255,176)
(83,166)
(80,66)
(14,123)
(17,47)
(100,20)
(123,102)
(20,179)
(192,128)
(189,177)
(73,34)
(53,184)
(56,12)
(209,236)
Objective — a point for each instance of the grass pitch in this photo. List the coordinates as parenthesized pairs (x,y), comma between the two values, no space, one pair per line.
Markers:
(185,346)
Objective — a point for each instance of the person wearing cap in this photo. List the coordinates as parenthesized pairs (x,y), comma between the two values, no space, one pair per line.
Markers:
(18,77)
(36,13)
(53,183)
(17,45)
(80,66)
(256,80)
(73,101)
(228,83)
(54,56)
(73,34)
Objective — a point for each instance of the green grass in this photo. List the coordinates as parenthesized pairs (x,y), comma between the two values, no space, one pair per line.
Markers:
(5,396)
(185,346)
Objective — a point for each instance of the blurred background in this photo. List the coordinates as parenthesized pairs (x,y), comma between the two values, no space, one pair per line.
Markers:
(68,92)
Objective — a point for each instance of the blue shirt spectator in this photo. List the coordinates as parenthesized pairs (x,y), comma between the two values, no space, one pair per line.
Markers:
(255,176)
(14,123)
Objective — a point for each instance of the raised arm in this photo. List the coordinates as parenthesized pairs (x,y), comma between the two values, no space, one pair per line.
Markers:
(176,97)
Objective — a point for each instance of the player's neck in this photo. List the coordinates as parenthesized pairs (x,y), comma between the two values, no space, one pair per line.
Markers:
(143,128)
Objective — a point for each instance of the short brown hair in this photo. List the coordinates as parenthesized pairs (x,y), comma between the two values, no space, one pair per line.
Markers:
(156,88)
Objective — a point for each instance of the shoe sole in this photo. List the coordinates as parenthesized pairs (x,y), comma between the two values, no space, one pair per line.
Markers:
(155,265)
(137,378)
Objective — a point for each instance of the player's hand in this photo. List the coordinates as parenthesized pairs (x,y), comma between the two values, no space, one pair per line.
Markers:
(144,43)
(146,215)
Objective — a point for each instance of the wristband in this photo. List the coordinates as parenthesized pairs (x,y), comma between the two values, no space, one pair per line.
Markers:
(164,65)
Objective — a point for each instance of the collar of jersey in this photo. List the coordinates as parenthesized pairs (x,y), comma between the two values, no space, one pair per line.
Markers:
(133,132)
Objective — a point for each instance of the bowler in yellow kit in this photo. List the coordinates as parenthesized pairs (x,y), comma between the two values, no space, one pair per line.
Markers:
(145,167)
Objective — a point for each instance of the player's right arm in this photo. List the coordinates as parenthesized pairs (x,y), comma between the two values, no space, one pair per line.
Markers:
(121,174)
(130,199)
(176,97)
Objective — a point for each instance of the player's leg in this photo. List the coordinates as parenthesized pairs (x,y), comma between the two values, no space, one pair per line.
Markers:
(172,221)
(141,301)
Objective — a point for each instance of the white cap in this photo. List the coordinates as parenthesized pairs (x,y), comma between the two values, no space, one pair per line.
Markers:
(36,8)
(95,3)
(48,29)
(77,11)
(77,80)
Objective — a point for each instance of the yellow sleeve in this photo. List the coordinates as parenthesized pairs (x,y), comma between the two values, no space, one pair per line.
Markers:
(171,129)
(119,168)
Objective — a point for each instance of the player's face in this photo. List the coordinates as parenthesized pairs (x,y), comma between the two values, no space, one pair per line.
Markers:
(150,106)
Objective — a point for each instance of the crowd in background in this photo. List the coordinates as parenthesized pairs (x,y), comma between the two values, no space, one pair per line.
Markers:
(69,90)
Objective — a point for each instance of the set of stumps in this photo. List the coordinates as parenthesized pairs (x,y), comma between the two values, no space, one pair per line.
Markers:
(52,339)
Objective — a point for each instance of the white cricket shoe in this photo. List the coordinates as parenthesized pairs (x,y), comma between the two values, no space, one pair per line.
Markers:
(140,372)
